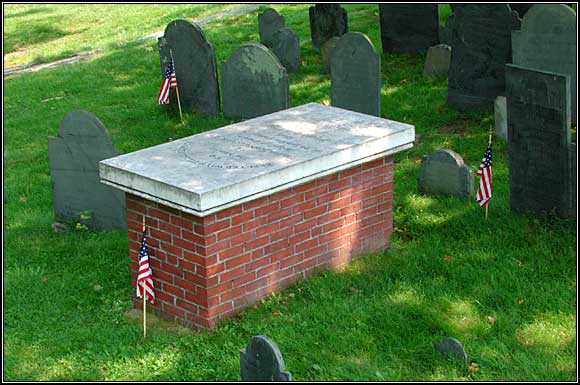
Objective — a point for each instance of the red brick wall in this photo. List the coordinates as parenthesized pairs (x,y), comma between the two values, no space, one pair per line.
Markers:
(208,268)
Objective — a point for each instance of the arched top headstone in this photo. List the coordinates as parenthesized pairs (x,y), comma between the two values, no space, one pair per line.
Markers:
(262,361)
(444,172)
(550,18)
(176,29)
(269,22)
(326,21)
(451,348)
(286,47)
(255,58)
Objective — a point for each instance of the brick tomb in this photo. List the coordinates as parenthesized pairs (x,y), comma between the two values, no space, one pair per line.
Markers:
(235,213)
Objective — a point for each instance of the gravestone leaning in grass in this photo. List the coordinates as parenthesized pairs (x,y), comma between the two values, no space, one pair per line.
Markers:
(443,172)
(409,28)
(437,61)
(355,73)
(326,21)
(541,174)
(254,83)
(262,361)
(286,47)
(195,67)
(480,48)
(74,157)
(269,22)
(547,41)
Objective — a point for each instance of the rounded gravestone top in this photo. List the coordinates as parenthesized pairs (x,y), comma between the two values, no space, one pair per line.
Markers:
(175,30)
(269,22)
(256,57)
(540,19)
(286,46)
(452,348)
(443,172)
(351,39)
(262,361)
(81,123)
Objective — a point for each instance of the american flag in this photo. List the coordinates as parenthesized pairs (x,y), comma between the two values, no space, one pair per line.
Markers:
(169,81)
(144,274)
(484,171)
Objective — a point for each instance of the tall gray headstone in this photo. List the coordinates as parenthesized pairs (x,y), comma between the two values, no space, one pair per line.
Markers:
(409,28)
(254,83)
(547,41)
(437,61)
(325,51)
(74,157)
(286,46)
(538,118)
(480,48)
(262,361)
(500,112)
(443,172)
(195,67)
(355,75)
(326,21)
(269,22)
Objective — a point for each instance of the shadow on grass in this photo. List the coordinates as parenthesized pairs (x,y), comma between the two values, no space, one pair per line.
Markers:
(30,11)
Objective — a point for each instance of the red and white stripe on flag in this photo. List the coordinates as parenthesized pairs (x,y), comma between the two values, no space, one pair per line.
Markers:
(484,172)
(144,274)
(169,81)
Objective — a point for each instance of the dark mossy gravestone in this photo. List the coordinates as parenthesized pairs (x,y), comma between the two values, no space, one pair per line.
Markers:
(480,48)
(443,172)
(262,361)
(437,61)
(452,348)
(269,22)
(355,74)
(195,67)
(286,46)
(325,51)
(547,41)
(254,83)
(538,119)
(409,28)
(74,155)
(326,21)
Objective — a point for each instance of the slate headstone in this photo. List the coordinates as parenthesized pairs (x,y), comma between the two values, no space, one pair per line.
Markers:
(286,46)
(195,67)
(451,348)
(325,51)
(480,48)
(262,361)
(355,75)
(409,28)
(326,21)
(269,22)
(521,8)
(538,118)
(74,157)
(443,172)
(547,41)
(500,112)
(437,61)
(254,83)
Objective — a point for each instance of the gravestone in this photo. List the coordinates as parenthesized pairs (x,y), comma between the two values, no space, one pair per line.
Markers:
(356,75)
(325,51)
(409,28)
(254,83)
(74,157)
(481,46)
(269,22)
(437,61)
(500,112)
(443,172)
(521,8)
(547,41)
(286,46)
(538,118)
(195,67)
(451,348)
(262,361)
(326,21)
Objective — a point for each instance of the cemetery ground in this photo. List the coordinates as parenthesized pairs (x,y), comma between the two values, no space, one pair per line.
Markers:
(505,286)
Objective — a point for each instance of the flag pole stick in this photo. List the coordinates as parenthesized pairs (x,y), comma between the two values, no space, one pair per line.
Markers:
(144,299)
(176,88)
(487,205)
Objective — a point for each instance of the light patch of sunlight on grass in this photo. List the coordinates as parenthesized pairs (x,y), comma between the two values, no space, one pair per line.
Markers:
(552,332)
(406,296)
(387,91)
(419,202)
(462,315)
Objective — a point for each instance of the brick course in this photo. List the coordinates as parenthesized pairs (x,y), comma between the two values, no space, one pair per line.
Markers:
(208,268)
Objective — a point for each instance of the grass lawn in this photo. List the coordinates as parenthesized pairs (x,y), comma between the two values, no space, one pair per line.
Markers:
(505,287)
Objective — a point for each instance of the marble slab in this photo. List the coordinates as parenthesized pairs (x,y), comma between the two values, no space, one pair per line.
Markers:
(217,169)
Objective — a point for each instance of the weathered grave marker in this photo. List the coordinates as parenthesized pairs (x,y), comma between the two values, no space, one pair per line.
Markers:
(286,46)
(269,22)
(443,172)
(500,112)
(409,28)
(262,361)
(547,41)
(254,83)
(74,157)
(538,117)
(437,61)
(356,75)
(451,348)
(325,51)
(326,21)
(195,66)
(480,48)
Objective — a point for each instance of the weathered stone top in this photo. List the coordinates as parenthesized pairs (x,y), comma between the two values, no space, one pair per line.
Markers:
(216,169)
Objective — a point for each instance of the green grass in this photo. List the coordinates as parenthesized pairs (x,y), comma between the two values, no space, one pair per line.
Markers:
(447,271)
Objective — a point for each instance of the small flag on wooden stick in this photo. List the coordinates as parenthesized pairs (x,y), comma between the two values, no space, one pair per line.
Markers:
(144,274)
(169,81)
(484,172)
